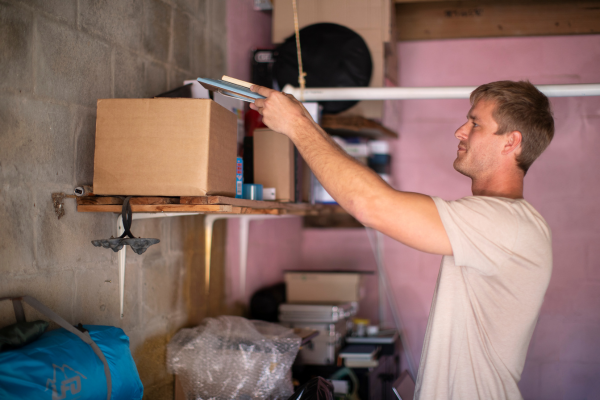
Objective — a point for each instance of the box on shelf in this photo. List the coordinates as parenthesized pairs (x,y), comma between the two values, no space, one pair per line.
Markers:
(322,287)
(274,163)
(164,147)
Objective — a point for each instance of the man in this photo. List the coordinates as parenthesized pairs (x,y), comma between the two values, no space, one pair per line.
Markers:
(497,249)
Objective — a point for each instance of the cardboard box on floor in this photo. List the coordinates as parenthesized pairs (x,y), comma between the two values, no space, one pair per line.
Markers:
(322,287)
(164,147)
(371,19)
(274,163)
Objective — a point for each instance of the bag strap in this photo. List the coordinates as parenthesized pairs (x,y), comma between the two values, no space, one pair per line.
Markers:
(20,315)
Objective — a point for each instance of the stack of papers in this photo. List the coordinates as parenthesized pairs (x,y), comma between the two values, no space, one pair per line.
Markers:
(360,356)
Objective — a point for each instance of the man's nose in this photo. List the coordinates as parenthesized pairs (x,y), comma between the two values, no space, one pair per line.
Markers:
(462,133)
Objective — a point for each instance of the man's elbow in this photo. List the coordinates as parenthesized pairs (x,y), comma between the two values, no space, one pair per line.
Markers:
(364,212)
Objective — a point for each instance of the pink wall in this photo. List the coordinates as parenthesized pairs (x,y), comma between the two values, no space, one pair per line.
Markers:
(564,184)
(247,30)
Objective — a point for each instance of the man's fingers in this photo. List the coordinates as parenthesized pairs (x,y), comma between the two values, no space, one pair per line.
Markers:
(257,108)
(263,91)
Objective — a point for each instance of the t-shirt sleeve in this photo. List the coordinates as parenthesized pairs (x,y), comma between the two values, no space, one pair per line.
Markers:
(482,231)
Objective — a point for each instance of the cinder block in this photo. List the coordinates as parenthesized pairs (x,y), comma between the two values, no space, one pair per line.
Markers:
(85,133)
(16,44)
(217,15)
(129,75)
(63,10)
(96,296)
(199,49)
(54,289)
(16,235)
(161,287)
(157,29)
(155,79)
(181,41)
(115,20)
(217,54)
(37,141)
(177,76)
(66,243)
(188,5)
(71,66)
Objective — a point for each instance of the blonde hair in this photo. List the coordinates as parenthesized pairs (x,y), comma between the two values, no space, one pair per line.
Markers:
(520,106)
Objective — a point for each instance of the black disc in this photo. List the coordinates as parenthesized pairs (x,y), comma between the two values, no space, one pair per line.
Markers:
(332,56)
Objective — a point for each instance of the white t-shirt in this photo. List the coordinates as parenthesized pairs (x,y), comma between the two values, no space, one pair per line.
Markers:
(487,299)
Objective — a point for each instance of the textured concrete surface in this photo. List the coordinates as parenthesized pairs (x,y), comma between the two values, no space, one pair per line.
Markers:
(58,57)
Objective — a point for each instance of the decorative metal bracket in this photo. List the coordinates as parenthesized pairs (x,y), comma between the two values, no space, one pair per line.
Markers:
(138,245)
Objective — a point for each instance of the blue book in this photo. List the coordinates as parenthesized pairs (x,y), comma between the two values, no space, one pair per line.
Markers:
(230,89)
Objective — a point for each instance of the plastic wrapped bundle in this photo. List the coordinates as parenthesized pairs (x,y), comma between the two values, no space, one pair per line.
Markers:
(234,358)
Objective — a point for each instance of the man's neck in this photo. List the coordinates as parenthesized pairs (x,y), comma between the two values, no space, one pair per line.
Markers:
(509,185)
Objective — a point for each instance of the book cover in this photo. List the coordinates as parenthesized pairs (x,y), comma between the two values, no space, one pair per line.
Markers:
(230,89)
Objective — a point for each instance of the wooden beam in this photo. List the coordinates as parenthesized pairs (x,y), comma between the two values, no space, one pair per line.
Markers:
(474,19)
(157,208)
(97,200)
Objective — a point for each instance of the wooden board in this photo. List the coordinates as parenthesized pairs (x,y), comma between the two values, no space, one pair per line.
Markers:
(157,208)
(355,126)
(97,200)
(240,202)
(469,19)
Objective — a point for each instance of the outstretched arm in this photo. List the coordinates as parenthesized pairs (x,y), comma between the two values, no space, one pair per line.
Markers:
(410,218)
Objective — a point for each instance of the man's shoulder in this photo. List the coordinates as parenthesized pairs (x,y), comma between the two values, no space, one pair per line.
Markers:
(497,209)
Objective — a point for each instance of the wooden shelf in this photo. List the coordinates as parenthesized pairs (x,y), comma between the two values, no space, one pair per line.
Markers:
(355,126)
(203,204)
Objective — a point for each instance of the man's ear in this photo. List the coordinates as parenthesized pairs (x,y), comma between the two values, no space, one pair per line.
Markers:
(512,143)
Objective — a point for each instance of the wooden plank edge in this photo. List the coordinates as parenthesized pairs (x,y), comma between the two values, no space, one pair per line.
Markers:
(158,208)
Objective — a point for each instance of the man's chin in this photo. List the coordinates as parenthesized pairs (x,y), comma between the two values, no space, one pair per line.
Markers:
(460,168)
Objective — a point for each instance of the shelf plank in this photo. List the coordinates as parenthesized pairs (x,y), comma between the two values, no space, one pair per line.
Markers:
(98,200)
(259,204)
(116,208)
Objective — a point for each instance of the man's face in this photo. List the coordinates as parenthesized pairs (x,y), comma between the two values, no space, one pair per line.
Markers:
(479,148)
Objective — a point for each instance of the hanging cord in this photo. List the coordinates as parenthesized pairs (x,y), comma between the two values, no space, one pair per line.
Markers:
(376,241)
(301,73)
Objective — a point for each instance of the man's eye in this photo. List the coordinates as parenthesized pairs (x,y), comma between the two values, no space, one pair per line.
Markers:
(474,124)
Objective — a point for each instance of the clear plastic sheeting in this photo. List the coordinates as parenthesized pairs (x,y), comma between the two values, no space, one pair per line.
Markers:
(234,358)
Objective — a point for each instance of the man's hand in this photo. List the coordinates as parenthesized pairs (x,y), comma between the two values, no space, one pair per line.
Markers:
(281,112)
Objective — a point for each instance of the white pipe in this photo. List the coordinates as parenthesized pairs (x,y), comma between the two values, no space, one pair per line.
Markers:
(412,93)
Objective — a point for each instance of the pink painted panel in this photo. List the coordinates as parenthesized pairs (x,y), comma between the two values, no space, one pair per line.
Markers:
(247,30)
(563,185)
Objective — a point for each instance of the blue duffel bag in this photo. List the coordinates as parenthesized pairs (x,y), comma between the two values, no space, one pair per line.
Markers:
(69,364)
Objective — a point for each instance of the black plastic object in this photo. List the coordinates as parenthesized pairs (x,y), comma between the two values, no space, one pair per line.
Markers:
(332,56)
(20,334)
(138,245)
(315,389)
(264,304)
(182,91)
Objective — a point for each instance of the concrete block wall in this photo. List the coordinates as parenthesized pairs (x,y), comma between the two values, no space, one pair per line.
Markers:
(57,57)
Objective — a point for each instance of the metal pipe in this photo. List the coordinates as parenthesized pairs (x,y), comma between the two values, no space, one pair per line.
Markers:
(414,93)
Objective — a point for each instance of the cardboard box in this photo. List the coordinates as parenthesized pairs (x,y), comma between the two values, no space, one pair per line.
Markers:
(274,163)
(322,287)
(164,147)
(371,19)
